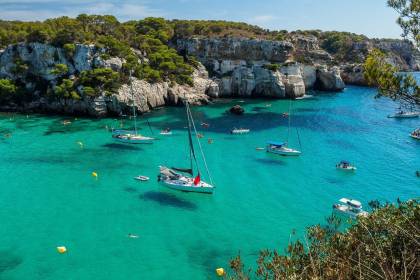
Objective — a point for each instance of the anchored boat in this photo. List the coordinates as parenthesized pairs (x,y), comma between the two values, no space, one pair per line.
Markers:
(350,207)
(239,131)
(346,166)
(281,148)
(131,136)
(182,179)
(415,134)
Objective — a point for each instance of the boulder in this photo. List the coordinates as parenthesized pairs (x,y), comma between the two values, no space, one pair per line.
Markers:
(237,110)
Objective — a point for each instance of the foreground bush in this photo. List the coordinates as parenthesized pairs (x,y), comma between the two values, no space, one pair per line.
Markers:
(385,245)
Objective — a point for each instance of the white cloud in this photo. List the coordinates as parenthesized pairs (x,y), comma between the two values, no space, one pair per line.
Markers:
(52,9)
(263,18)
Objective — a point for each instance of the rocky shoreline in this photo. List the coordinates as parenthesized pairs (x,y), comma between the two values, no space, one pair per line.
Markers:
(226,67)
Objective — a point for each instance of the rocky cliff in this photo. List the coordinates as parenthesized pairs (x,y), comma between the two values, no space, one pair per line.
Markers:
(39,61)
(261,68)
(228,67)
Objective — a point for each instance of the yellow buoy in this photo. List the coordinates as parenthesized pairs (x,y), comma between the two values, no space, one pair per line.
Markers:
(220,271)
(61,249)
(94,174)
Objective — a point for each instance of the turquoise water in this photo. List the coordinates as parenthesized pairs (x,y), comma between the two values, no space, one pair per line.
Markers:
(49,198)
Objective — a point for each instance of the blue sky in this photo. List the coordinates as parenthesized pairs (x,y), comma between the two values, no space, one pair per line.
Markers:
(369,17)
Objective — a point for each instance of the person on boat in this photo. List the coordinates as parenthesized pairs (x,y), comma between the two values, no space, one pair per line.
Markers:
(166,130)
(210,141)
(285,115)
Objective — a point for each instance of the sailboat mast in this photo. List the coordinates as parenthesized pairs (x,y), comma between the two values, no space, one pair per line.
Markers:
(289,117)
(199,145)
(132,104)
(190,142)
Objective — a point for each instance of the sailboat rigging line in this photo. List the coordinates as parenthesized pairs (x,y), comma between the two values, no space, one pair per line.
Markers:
(132,104)
(192,152)
(199,144)
(300,144)
(150,127)
(289,117)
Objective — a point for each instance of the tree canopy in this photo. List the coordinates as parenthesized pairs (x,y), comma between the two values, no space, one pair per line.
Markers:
(383,245)
(409,19)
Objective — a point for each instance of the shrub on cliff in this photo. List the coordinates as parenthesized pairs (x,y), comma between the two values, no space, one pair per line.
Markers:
(60,69)
(271,67)
(383,245)
(69,49)
(7,89)
(101,80)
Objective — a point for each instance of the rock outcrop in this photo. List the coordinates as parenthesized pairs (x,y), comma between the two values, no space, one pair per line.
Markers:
(329,80)
(352,74)
(262,68)
(237,110)
(40,59)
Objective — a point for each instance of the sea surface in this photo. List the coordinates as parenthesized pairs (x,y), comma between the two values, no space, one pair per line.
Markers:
(49,198)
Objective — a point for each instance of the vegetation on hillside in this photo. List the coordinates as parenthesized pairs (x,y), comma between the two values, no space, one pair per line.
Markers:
(384,245)
(379,73)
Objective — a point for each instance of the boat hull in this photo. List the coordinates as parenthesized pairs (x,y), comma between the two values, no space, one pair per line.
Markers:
(347,169)
(134,141)
(404,116)
(291,152)
(188,187)
(415,137)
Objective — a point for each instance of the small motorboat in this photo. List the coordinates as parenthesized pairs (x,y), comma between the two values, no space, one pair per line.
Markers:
(306,96)
(177,181)
(205,125)
(239,131)
(415,134)
(142,178)
(345,165)
(166,131)
(350,207)
(130,137)
(280,148)
(404,115)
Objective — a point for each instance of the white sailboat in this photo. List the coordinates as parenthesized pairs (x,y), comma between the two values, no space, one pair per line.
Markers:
(182,179)
(281,148)
(131,136)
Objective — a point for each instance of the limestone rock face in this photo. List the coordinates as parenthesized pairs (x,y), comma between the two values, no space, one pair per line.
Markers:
(235,49)
(352,74)
(40,59)
(329,80)
(148,96)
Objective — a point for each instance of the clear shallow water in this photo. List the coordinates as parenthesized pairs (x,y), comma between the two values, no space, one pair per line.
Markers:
(48,197)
